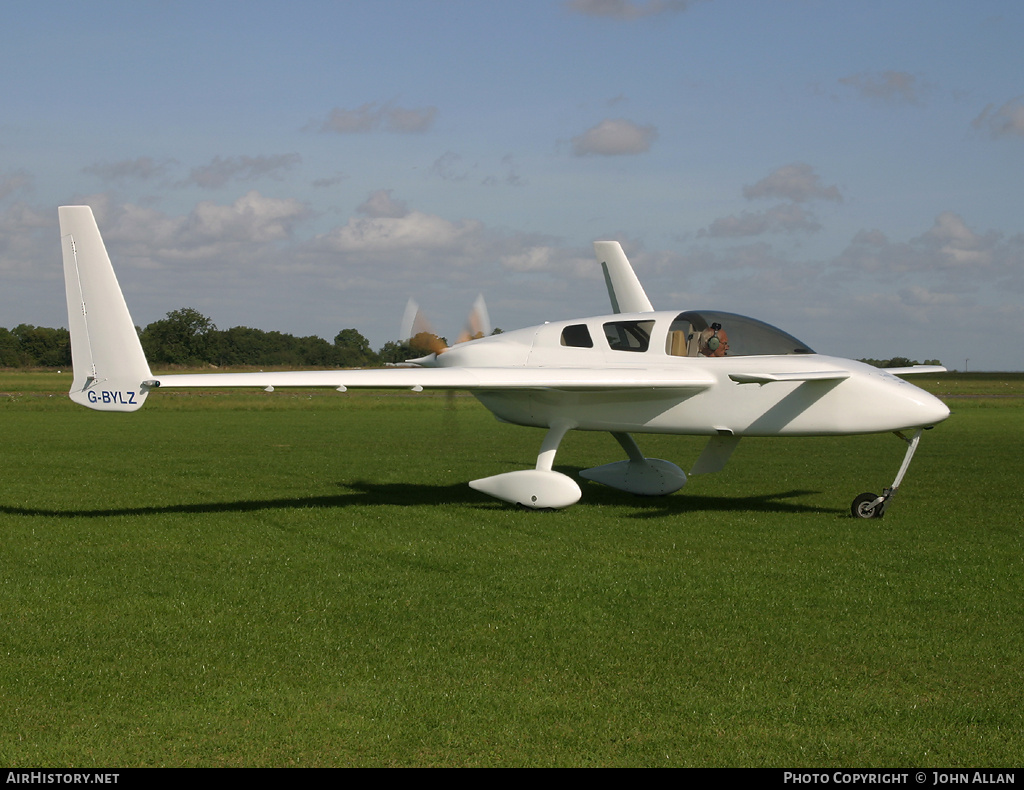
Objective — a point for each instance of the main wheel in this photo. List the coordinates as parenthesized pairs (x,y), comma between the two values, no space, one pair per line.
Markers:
(862,507)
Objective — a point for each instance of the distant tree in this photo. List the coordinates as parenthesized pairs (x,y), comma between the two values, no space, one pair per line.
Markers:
(242,345)
(43,346)
(898,362)
(184,337)
(421,345)
(11,355)
(352,350)
(395,351)
(313,351)
(426,343)
(188,338)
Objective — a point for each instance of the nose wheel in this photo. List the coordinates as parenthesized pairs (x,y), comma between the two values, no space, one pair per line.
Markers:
(869,505)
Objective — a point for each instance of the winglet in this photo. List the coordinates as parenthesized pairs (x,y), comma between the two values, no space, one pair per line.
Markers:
(111,372)
(624,288)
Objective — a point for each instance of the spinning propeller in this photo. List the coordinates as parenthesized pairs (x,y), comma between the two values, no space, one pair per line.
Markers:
(419,333)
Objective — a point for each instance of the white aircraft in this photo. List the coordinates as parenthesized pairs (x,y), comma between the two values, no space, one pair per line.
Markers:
(637,370)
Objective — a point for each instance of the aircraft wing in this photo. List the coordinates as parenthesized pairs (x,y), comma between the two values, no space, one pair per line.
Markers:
(417,379)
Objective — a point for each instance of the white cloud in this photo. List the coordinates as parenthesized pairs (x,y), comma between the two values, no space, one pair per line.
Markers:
(241,168)
(330,181)
(797,182)
(413,234)
(949,251)
(449,167)
(382,204)
(889,86)
(510,177)
(26,235)
(1007,121)
(957,243)
(399,119)
(14,181)
(141,169)
(210,230)
(361,119)
(529,260)
(627,9)
(614,137)
(870,251)
(372,117)
(921,296)
(786,218)
(251,218)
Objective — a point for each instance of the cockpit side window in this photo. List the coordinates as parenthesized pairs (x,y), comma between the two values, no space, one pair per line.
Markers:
(628,335)
(577,336)
(682,338)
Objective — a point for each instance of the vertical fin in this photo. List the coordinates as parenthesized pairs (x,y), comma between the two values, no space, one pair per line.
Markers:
(624,289)
(109,365)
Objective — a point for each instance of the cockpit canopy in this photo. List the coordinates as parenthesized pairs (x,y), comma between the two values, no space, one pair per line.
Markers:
(694,333)
(707,332)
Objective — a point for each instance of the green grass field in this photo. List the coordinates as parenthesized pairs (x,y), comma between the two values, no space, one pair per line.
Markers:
(281,579)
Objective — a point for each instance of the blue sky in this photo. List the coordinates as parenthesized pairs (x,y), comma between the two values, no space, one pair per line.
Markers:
(850,171)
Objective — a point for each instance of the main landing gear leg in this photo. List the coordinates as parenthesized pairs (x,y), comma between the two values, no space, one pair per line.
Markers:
(540,488)
(639,475)
(874,506)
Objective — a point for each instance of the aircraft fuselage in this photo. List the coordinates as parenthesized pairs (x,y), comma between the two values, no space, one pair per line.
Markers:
(745,395)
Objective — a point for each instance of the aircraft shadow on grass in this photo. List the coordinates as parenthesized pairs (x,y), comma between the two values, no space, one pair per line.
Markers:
(366,493)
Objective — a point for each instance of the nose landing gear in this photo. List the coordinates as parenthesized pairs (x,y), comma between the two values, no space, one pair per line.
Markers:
(869,505)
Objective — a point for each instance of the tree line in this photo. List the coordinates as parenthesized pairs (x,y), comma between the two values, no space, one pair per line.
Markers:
(187,338)
(899,362)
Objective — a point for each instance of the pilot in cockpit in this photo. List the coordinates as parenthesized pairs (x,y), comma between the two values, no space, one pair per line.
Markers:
(714,341)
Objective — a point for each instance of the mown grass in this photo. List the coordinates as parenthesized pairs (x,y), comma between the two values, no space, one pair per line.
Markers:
(315,584)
